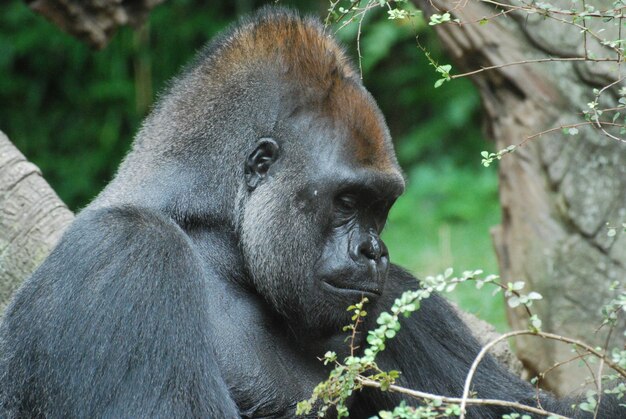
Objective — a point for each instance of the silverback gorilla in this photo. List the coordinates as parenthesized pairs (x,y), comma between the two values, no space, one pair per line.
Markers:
(210,274)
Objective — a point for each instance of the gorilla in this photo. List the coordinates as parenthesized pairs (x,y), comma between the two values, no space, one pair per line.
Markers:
(213,271)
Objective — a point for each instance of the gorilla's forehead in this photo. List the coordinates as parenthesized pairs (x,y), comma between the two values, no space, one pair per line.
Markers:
(332,160)
(365,132)
(346,123)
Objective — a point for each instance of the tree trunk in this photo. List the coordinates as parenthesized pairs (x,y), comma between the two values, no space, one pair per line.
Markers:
(557,192)
(32,218)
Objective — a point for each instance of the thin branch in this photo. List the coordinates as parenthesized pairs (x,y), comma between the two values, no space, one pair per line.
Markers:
(358,45)
(601,14)
(366,382)
(583,358)
(355,327)
(585,32)
(596,114)
(552,14)
(539,60)
(600,368)
(565,126)
(485,349)
(620,54)
(560,363)
(608,86)
(619,36)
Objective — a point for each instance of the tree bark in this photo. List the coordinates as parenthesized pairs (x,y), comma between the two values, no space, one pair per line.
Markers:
(93,21)
(556,192)
(32,218)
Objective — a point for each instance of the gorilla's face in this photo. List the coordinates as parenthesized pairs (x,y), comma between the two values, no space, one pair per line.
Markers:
(319,195)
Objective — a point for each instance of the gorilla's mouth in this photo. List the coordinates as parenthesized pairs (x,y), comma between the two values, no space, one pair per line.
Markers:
(351,289)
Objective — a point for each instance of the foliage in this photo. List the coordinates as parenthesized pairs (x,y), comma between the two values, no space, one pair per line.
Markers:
(356,372)
(607,120)
(427,124)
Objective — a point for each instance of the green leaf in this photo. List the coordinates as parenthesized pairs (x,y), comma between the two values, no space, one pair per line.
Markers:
(514,301)
(390,333)
(517,285)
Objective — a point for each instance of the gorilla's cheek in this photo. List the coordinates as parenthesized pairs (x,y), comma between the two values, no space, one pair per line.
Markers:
(280,244)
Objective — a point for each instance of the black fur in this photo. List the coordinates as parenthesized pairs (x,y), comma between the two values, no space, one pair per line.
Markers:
(106,328)
(214,270)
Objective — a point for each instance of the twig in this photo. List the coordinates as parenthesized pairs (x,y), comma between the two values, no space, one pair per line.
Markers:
(366,382)
(619,36)
(358,44)
(355,327)
(560,363)
(585,32)
(565,126)
(539,60)
(528,8)
(584,360)
(597,115)
(485,349)
(552,14)
(600,368)
(608,86)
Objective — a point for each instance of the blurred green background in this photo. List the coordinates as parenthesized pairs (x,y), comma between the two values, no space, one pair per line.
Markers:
(74,111)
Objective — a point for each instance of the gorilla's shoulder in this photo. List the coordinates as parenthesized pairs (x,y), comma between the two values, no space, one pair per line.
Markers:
(125,222)
(125,241)
(108,252)
(123,215)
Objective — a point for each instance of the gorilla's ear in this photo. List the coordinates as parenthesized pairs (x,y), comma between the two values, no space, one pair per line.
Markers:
(259,161)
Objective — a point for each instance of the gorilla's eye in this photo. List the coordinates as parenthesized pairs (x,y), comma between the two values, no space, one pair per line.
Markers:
(346,203)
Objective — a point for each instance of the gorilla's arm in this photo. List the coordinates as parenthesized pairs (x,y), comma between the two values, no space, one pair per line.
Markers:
(434,350)
(113,324)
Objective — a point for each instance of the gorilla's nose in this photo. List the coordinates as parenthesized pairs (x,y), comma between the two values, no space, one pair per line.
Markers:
(369,248)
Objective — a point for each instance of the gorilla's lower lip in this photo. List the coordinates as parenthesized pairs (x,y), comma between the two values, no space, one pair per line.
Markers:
(346,289)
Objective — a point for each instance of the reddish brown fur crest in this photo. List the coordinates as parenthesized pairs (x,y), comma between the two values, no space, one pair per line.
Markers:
(371,141)
(300,51)
(297,47)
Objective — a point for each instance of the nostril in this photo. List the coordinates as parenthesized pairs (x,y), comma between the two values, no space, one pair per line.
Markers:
(372,248)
